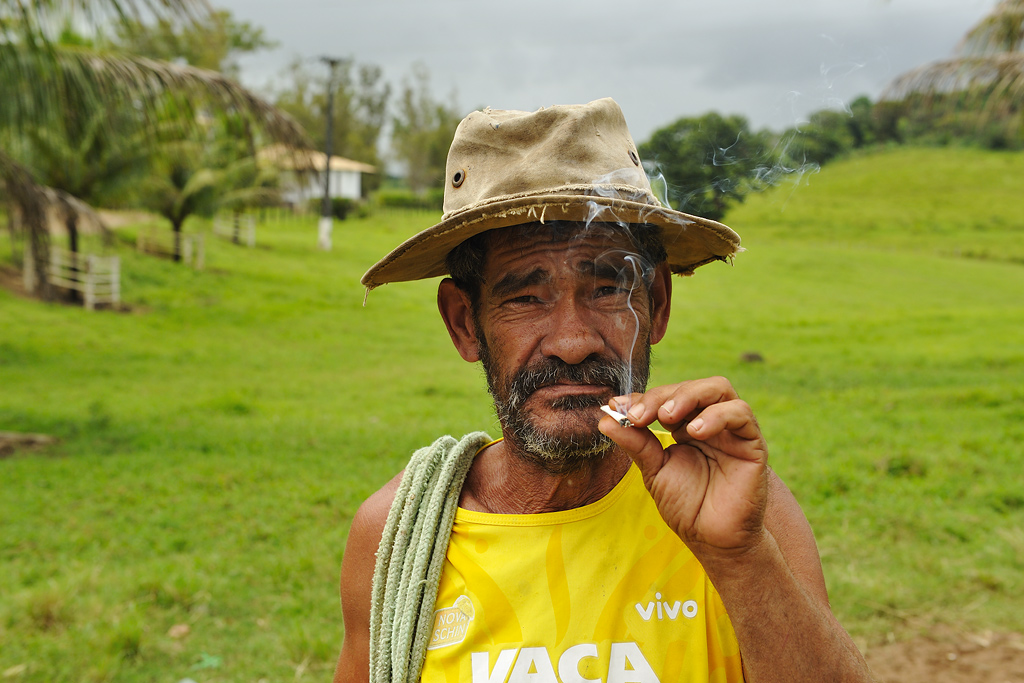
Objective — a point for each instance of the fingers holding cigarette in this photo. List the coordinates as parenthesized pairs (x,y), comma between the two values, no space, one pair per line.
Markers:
(619,417)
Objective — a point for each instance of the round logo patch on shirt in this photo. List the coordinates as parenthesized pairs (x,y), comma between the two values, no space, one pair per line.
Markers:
(451,623)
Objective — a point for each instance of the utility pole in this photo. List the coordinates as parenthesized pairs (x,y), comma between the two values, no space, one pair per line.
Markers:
(326,215)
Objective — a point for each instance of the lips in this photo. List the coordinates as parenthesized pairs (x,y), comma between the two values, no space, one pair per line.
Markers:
(572,389)
(570,397)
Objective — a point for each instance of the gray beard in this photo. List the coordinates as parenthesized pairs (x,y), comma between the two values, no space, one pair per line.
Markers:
(554,452)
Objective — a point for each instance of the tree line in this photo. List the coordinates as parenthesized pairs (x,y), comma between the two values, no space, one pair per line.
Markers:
(363,103)
(705,164)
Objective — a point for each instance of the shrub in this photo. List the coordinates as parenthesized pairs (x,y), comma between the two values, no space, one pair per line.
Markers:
(431,200)
(340,206)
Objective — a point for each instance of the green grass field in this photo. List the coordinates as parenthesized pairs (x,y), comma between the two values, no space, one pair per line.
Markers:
(218,437)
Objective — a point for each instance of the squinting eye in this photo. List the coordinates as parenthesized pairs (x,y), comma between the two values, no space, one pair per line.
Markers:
(612,291)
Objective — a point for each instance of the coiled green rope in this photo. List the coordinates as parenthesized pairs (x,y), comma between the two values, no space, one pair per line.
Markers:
(411,556)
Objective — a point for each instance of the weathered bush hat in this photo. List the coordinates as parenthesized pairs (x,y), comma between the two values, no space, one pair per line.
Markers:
(569,163)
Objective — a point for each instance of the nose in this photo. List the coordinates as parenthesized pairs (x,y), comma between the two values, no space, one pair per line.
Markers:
(571,336)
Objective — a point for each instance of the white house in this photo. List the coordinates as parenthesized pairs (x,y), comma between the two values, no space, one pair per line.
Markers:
(303,179)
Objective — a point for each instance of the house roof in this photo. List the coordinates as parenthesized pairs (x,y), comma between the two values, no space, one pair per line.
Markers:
(310,160)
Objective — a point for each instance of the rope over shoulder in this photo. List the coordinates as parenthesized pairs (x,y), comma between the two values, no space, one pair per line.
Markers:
(411,556)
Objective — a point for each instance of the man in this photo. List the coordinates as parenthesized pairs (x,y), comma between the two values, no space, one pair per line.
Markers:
(584,546)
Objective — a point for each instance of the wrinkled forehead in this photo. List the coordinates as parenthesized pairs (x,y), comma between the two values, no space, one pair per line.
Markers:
(547,251)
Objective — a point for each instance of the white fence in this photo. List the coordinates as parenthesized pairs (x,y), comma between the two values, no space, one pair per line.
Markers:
(97,278)
(225,227)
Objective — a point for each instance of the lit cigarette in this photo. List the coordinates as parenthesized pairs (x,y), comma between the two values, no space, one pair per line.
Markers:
(620,417)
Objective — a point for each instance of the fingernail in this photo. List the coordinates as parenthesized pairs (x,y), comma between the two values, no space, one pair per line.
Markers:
(669,406)
(697,424)
(636,412)
(619,402)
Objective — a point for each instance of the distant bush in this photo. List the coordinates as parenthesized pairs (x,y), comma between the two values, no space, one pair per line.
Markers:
(363,210)
(341,207)
(431,200)
(951,119)
(827,135)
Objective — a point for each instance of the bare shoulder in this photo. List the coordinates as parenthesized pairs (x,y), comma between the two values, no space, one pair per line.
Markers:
(372,515)
(365,533)
(791,530)
(357,567)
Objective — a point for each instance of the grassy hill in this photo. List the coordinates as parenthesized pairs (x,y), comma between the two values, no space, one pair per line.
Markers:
(218,437)
(944,201)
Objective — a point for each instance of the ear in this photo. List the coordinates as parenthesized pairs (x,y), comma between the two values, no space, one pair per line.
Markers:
(661,302)
(457,313)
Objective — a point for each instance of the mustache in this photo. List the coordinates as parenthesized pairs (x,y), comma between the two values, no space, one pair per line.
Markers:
(596,371)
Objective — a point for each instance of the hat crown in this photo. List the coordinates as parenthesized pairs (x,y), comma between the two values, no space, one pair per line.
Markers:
(499,154)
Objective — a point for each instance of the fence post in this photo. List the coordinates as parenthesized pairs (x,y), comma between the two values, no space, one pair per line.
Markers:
(115,281)
(90,282)
(201,252)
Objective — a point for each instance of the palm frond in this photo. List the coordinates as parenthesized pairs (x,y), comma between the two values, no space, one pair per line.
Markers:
(1002,30)
(38,21)
(986,80)
(40,86)
(980,81)
(45,83)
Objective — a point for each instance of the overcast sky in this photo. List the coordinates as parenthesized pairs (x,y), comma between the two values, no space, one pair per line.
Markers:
(773,61)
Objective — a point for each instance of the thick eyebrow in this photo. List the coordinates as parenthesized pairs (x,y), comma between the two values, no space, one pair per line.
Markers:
(600,270)
(514,282)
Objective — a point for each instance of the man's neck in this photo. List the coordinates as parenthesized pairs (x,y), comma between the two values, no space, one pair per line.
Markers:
(503,481)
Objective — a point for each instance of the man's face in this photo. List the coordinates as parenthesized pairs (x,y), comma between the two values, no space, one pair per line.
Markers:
(563,326)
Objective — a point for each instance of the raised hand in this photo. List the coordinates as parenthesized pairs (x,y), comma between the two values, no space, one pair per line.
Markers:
(711,486)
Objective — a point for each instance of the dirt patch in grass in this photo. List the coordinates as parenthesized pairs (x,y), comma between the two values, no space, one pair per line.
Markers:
(115,219)
(944,656)
(10,442)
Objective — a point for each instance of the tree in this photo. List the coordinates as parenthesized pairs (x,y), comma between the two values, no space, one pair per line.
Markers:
(43,82)
(215,168)
(422,132)
(983,83)
(28,202)
(826,135)
(80,160)
(215,42)
(1001,31)
(83,156)
(242,181)
(862,123)
(360,105)
(709,162)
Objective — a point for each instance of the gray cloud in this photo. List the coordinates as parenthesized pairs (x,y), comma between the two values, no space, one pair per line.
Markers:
(774,62)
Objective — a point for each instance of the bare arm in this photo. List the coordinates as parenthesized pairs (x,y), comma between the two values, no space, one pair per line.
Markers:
(714,488)
(357,582)
(779,603)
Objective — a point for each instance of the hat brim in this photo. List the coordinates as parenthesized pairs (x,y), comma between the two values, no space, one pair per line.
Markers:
(690,241)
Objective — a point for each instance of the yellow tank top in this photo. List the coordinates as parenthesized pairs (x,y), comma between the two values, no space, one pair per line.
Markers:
(605,592)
